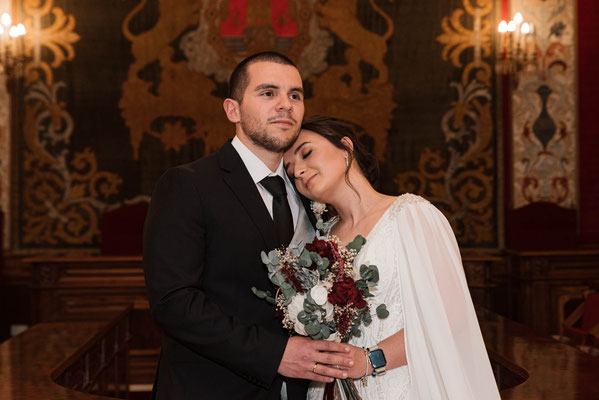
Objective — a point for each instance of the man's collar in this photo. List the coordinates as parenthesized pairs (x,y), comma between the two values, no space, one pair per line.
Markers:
(255,166)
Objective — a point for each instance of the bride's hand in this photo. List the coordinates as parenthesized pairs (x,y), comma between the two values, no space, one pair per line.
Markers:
(361,366)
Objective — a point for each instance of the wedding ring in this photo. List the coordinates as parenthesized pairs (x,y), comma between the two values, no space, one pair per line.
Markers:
(314,368)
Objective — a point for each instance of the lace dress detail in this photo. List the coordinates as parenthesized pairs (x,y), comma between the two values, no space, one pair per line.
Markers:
(381,250)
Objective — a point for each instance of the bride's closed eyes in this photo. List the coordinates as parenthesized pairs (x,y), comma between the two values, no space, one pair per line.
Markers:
(306,154)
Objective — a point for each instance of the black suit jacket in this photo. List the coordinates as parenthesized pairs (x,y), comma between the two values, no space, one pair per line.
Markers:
(204,232)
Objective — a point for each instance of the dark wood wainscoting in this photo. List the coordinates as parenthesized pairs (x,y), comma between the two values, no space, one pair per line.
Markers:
(541,283)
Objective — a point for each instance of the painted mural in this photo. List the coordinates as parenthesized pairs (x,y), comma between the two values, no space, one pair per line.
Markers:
(544,108)
(126,89)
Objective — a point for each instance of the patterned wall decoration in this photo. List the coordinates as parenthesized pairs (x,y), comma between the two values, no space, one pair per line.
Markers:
(544,108)
(129,88)
(459,177)
(298,28)
(63,190)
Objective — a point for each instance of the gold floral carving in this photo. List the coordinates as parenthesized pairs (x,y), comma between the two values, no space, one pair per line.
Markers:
(181,92)
(63,194)
(459,179)
(340,91)
(58,37)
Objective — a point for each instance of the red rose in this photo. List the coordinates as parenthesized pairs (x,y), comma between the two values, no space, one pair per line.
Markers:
(325,249)
(345,292)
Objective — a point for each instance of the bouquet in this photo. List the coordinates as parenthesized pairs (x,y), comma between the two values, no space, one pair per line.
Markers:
(319,292)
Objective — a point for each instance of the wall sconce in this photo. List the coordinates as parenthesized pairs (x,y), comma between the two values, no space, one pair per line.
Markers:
(12,46)
(517,46)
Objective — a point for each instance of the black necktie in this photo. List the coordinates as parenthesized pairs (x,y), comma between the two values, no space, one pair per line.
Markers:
(281,212)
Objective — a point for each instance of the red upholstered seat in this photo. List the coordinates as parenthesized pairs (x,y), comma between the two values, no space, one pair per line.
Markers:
(590,317)
(122,230)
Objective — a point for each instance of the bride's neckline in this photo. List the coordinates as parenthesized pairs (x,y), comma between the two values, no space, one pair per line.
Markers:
(333,221)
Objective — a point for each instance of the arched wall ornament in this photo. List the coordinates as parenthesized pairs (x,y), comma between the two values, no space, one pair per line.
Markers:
(63,192)
(459,178)
(544,109)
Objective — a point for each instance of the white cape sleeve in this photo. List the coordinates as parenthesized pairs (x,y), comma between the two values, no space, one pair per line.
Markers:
(446,354)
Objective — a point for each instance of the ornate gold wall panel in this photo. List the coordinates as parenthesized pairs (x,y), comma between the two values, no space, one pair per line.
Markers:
(63,191)
(460,178)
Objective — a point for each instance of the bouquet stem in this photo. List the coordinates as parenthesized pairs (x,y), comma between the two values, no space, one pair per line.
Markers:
(341,389)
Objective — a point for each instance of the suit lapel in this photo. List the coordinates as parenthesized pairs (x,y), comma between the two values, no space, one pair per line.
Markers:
(306,202)
(240,181)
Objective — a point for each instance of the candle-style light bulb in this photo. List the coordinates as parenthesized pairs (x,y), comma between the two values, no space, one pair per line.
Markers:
(502,27)
(22,30)
(13,32)
(518,18)
(525,28)
(511,26)
(6,20)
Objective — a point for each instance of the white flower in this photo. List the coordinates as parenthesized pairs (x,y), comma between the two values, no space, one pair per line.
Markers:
(319,294)
(318,208)
(300,328)
(294,308)
(334,337)
(329,310)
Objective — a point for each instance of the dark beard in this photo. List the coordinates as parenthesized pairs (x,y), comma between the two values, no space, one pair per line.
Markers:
(262,139)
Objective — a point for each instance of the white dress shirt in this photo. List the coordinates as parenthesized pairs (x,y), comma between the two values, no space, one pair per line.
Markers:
(258,171)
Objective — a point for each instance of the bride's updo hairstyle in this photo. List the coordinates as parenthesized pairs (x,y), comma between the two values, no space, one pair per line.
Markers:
(333,130)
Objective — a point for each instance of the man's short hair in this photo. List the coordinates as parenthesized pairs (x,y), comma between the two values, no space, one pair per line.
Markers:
(240,80)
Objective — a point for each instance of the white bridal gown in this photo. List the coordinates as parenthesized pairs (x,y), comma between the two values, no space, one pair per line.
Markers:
(423,285)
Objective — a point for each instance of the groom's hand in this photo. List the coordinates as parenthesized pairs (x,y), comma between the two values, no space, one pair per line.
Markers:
(316,360)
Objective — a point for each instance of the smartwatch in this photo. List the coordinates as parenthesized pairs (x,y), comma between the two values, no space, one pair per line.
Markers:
(378,361)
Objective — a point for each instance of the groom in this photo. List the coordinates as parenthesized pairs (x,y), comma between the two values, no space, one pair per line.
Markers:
(207,224)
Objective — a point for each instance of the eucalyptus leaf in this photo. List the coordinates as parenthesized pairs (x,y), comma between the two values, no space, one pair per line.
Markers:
(361,285)
(277,279)
(366,318)
(304,259)
(357,243)
(319,225)
(369,273)
(288,292)
(381,311)
(325,331)
(303,317)
(313,328)
(271,300)
(259,293)
(265,258)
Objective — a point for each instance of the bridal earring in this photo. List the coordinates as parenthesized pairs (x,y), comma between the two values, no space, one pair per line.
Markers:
(346,161)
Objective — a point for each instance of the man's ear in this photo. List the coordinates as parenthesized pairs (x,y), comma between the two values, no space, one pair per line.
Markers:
(232,110)
(348,143)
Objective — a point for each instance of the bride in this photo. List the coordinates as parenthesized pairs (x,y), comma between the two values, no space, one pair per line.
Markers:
(430,346)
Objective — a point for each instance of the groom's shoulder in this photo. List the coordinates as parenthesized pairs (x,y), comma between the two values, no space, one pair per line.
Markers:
(206,166)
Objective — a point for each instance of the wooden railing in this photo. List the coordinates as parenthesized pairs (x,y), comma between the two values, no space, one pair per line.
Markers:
(67,360)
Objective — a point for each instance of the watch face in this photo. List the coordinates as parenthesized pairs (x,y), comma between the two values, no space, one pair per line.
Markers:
(377,358)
